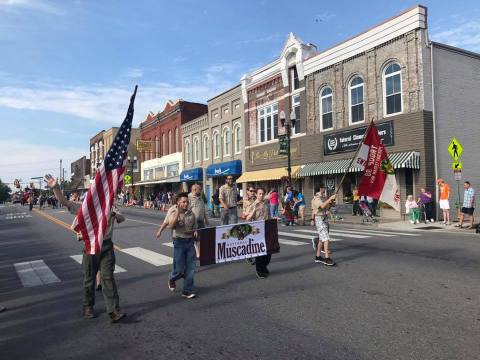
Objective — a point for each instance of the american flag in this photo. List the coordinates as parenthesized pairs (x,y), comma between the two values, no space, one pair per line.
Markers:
(92,217)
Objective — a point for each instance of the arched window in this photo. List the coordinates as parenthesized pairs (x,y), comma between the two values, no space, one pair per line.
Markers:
(157,147)
(205,146)
(326,109)
(163,145)
(176,140)
(356,100)
(188,152)
(237,134)
(170,148)
(392,89)
(216,144)
(226,141)
(196,149)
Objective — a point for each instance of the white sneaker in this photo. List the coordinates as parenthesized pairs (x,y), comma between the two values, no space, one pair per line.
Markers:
(417,222)
(432,220)
(412,222)
(426,221)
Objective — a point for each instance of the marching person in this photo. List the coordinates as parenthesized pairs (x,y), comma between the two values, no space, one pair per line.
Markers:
(228,196)
(320,212)
(468,205)
(247,201)
(199,208)
(182,221)
(259,211)
(103,262)
(444,203)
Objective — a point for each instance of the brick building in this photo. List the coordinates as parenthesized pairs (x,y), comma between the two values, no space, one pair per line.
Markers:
(161,166)
(213,143)
(80,170)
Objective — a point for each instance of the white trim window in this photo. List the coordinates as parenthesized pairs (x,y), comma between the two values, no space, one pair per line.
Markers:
(355,94)
(296,107)
(226,141)
(216,144)
(170,148)
(326,109)
(237,134)
(268,123)
(196,149)
(163,144)
(392,89)
(206,150)
(188,152)
(294,80)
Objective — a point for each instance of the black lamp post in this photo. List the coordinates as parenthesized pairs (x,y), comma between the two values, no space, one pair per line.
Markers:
(288,124)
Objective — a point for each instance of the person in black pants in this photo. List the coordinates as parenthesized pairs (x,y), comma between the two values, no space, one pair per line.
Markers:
(259,211)
(425,198)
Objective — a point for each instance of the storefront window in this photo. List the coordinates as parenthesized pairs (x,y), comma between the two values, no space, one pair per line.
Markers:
(172,170)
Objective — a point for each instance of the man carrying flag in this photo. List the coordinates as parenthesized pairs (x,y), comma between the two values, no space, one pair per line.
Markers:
(95,218)
(378,178)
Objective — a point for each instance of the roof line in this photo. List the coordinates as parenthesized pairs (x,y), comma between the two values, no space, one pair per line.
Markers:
(455,49)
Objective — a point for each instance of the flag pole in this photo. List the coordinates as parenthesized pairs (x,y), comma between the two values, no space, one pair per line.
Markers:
(353,158)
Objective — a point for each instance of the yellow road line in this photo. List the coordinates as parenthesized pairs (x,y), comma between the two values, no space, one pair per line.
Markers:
(61,223)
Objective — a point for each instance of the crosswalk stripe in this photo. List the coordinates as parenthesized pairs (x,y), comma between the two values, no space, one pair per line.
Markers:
(149,256)
(291,242)
(300,236)
(383,232)
(35,273)
(78,259)
(169,244)
(339,233)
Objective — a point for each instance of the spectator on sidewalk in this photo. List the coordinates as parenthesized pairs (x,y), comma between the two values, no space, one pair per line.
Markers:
(356,202)
(287,210)
(411,209)
(274,202)
(425,198)
(444,202)
(299,200)
(468,205)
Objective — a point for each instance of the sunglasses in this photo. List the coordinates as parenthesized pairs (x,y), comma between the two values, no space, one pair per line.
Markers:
(251,190)
(229,178)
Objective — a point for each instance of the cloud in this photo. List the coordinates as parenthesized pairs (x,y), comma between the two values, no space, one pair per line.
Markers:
(261,40)
(106,103)
(27,160)
(465,35)
(133,73)
(35,5)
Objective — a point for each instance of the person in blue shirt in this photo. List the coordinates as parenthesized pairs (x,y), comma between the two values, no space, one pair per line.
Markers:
(299,207)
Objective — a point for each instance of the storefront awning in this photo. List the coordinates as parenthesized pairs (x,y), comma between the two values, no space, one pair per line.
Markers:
(399,160)
(226,168)
(267,175)
(195,174)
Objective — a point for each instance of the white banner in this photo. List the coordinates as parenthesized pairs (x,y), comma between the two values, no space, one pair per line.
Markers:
(390,193)
(240,241)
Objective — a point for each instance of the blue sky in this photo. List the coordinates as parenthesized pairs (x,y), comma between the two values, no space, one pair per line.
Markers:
(67,68)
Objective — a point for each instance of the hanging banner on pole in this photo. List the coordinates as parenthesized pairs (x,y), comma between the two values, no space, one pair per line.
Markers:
(283,143)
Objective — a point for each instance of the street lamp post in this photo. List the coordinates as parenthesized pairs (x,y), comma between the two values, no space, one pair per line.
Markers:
(288,124)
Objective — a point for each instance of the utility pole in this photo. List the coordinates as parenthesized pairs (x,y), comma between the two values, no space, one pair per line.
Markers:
(60,174)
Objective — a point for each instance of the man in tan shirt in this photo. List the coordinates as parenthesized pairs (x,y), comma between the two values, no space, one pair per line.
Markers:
(228,199)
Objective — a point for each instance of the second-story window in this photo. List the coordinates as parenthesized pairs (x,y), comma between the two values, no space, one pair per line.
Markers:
(392,84)
(188,152)
(237,132)
(226,141)
(216,144)
(176,140)
(164,152)
(294,81)
(326,109)
(268,123)
(296,107)
(356,100)
(205,146)
(196,149)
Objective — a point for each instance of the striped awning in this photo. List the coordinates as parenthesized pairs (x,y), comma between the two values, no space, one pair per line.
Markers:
(399,160)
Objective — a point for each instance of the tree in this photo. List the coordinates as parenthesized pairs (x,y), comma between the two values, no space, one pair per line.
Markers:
(4,191)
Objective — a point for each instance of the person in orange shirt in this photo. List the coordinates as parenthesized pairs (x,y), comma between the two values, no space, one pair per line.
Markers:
(444,204)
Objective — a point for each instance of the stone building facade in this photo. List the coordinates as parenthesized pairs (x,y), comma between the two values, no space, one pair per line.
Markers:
(213,145)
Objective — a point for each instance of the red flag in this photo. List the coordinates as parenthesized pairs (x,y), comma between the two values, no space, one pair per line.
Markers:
(375,173)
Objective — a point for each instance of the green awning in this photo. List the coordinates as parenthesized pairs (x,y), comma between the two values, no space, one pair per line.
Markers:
(400,160)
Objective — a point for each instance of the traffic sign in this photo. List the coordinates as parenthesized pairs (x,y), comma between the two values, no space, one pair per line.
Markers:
(127,179)
(455,149)
(458,175)
(457,165)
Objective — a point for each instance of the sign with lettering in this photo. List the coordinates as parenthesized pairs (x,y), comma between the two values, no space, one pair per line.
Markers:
(144,145)
(349,140)
(283,143)
(240,241)
(272,154)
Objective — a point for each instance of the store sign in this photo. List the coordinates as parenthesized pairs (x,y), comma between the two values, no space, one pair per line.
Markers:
(283,143)
(272,154)
(144,145)
(349,140)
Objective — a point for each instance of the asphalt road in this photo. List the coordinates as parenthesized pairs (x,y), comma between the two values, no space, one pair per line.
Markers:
(392,295)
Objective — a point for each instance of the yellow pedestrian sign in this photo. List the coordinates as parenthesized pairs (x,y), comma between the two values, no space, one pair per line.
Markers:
(457,165)
(455,149)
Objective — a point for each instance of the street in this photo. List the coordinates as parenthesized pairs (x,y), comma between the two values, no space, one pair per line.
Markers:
(392,295)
